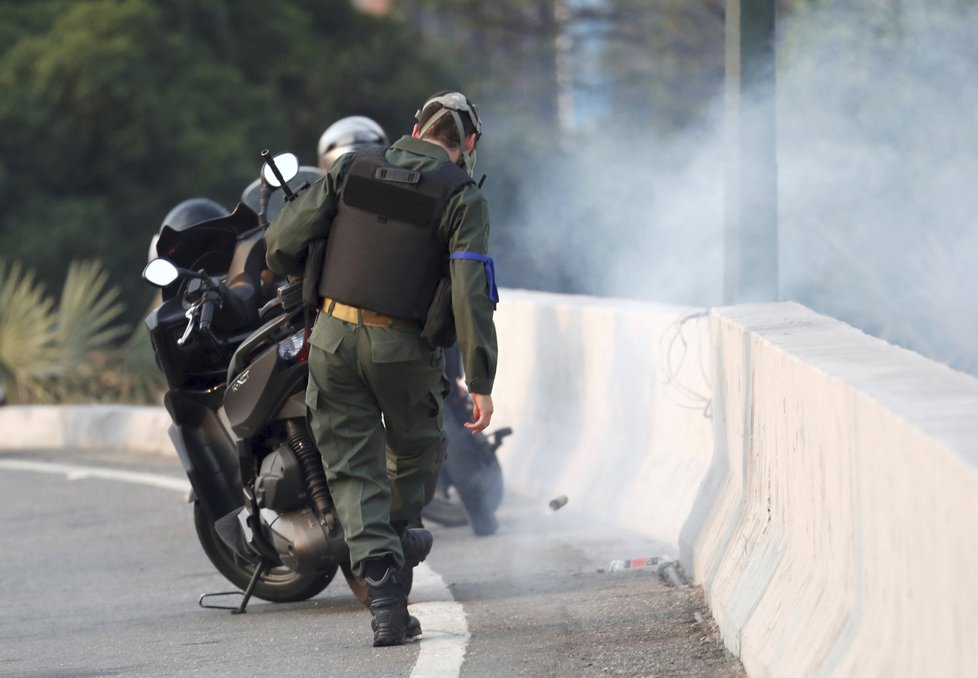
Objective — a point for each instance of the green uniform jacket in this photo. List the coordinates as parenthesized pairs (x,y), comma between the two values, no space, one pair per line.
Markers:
(464,227)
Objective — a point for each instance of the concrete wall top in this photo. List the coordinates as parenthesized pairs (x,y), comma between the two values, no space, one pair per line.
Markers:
(941,402)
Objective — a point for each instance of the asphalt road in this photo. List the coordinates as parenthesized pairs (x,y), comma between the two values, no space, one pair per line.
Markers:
(101,577)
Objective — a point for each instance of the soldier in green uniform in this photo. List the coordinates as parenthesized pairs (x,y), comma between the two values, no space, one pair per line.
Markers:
(401,222)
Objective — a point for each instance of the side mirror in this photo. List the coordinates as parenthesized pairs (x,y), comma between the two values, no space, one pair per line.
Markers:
(288,167)
(160,272)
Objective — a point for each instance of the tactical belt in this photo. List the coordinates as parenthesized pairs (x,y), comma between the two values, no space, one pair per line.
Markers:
(363,316)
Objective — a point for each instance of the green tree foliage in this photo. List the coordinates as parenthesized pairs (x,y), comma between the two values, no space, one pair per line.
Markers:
(113,111)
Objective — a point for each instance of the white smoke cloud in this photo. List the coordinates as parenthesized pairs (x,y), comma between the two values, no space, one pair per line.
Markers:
(878,164)
(878,186)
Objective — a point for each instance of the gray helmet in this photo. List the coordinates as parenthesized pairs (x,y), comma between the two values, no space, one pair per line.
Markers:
(345,135)
(186,214)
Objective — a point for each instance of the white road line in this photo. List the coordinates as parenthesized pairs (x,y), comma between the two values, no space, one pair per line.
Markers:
(80,472)
(445,634)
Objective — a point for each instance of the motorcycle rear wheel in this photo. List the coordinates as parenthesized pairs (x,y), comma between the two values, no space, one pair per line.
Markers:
(279,585)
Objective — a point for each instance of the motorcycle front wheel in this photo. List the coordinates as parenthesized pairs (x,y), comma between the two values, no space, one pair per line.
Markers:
(279,585)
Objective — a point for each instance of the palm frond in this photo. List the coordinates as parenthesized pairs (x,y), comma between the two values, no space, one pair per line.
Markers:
(29,346)
(88,310)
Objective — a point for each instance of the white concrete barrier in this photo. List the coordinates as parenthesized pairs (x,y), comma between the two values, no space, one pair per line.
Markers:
(140,429)
(608,400)
(837,531)
(835,527)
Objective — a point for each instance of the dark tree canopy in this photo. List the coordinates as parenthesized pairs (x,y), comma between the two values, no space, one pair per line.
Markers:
(115,110)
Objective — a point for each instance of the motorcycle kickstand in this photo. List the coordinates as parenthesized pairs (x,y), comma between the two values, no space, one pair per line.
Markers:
(260,571)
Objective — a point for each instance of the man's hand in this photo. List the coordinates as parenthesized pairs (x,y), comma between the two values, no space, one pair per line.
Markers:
(481,412)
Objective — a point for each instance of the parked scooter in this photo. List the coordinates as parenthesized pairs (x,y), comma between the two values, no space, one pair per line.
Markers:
(234,362)
(470,483)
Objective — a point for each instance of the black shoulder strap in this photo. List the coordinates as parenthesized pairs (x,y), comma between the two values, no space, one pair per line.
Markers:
(452,175)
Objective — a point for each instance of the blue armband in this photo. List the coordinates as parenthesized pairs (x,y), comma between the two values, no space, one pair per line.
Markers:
(490,270)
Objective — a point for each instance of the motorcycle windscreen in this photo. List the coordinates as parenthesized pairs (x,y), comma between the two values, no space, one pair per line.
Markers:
(208,245)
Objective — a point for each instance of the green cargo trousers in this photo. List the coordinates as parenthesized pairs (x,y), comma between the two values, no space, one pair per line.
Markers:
(375,397)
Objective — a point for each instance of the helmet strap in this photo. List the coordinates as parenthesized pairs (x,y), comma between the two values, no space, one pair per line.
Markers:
(467,157)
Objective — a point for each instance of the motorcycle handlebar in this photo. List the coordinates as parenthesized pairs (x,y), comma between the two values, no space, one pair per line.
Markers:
(209,295)
(206,313)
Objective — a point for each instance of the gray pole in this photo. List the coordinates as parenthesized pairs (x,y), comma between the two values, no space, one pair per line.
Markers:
(563,50)
(751,233)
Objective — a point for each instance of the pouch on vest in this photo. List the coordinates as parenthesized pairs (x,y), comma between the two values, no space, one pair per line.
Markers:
(439,326)
(311,301)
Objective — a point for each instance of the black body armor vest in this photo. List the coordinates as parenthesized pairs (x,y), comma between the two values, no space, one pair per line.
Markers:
(382,253)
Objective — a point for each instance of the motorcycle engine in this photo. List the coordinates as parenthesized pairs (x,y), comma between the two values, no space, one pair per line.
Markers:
(302,542)
(280,486)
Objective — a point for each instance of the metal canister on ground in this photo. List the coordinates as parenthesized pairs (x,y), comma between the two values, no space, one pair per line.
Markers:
(558,502)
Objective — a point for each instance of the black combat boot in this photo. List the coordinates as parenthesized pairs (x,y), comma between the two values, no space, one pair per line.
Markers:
(388,605)
(416,545)
(413,629)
